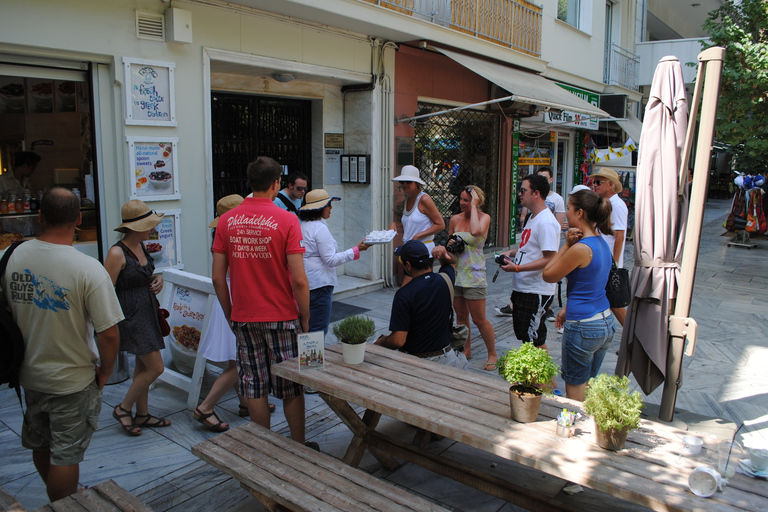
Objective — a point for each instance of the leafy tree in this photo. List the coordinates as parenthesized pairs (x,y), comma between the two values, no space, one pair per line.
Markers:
(741,26)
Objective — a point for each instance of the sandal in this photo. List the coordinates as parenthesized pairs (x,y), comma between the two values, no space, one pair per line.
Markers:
(217,427)
(243,410)
(158,423)
(489,366)
(132,429)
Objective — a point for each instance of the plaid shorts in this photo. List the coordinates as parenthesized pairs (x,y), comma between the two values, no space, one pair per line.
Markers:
(528,316)
(259,346)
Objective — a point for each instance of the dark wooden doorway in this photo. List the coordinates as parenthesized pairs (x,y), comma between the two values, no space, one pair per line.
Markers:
(244,127)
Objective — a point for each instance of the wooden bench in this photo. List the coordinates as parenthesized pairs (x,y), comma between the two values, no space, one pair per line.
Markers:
(285,475)
(104,497)
(8,503)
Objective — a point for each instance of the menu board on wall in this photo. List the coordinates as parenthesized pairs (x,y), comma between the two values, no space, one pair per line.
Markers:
(164,244)
(152,169)
(149,92)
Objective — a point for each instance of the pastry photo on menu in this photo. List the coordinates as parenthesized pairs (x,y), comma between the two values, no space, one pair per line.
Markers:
(40,95)
(11,94)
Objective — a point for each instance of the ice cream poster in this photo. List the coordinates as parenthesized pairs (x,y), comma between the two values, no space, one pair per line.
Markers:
(153,169)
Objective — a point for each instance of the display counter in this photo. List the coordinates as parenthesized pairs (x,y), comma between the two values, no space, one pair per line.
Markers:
(25,226)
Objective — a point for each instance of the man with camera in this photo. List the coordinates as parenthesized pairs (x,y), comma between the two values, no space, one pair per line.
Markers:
(421,312)
(539,242)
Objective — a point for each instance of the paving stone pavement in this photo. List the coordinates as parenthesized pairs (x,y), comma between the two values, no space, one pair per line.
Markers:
(724,386)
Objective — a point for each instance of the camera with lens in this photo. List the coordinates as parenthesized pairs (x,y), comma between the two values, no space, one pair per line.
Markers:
(501,259)
(458,245)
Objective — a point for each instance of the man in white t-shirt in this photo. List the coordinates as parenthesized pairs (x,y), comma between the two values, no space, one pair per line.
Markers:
(59,297)
(606,184)
(539,241)
(554,200)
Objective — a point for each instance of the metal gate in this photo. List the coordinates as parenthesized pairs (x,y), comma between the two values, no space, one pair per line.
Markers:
(454,150)
(245,127)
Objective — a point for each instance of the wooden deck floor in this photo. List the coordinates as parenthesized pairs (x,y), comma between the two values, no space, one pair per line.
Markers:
(724,380)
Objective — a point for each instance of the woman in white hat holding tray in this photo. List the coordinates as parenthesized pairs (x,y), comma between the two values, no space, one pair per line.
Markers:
(131,268)
(421,218)
(321,257)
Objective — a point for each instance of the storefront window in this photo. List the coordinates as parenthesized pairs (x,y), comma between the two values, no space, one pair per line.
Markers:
(45,140)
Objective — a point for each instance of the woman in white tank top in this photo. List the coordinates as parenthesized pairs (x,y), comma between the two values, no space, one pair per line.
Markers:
(421,219)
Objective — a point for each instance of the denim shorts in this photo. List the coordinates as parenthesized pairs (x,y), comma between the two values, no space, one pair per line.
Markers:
(584,347)
(61,424)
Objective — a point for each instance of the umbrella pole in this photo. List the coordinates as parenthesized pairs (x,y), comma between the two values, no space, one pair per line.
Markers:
(681,327)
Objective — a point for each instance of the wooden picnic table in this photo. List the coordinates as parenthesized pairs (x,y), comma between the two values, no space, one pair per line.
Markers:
(473,409)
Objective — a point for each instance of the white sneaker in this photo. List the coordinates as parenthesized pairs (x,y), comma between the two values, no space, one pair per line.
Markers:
(505,311)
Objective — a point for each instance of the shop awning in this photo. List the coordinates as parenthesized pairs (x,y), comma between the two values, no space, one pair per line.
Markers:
(632,125)
(527,87)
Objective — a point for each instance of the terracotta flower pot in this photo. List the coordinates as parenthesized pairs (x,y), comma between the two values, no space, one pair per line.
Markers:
(353,354)
(525,406)
(611,439)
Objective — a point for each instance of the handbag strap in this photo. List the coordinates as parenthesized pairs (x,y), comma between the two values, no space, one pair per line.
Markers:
(450,289)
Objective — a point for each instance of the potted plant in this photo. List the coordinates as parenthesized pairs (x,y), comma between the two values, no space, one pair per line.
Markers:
(353,332)
(615,410)
(526,368)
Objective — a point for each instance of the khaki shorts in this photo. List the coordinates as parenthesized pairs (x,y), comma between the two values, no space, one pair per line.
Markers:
(480,293)
(61,424)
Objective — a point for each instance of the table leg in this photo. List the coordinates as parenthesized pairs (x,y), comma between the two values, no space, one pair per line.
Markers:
(360,429)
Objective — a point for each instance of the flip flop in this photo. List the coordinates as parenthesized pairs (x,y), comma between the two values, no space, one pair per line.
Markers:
(489,366)
(158,423)
(217,427)
(132,429)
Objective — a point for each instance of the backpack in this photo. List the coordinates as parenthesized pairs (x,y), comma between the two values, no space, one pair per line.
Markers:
(287,202)
(11,339)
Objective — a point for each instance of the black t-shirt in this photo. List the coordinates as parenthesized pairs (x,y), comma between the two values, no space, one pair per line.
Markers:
(423,308)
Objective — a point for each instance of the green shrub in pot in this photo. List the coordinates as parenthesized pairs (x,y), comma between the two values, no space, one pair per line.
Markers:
(615,410)
(527,367)
(354,330)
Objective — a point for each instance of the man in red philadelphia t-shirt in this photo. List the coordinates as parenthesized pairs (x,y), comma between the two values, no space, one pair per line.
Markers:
(261,247)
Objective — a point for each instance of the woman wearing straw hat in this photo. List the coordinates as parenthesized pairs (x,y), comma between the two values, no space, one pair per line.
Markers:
(421,219)
(321,257)
(131,268)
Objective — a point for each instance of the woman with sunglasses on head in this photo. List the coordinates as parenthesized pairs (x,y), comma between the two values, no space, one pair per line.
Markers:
(131,268)
(421,219)
(321,257)
(585,260)
(470,229)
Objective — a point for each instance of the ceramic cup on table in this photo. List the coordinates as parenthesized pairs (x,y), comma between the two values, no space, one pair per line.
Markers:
(758,457)
(692,445)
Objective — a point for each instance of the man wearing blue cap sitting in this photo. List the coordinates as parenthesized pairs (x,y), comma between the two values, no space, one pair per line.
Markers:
(421,312)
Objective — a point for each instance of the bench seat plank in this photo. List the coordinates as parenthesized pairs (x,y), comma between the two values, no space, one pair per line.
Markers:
(104,497)
(300,478)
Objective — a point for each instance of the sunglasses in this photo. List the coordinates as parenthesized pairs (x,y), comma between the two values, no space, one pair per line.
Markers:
(301,189)
(597,182)
(522,190)
(406,182)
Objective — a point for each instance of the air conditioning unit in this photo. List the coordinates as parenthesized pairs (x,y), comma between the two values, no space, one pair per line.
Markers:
(178,26)
(614,104)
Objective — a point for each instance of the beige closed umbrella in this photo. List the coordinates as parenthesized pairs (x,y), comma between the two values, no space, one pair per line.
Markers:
(660,218)
(658,328)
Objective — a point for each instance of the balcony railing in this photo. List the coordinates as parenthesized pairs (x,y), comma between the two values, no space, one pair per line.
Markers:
(622,67)
(515,24)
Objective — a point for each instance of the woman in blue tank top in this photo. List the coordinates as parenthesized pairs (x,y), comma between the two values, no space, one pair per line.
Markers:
(585,260)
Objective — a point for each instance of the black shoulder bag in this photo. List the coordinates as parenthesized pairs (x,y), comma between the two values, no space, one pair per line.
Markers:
(617,289)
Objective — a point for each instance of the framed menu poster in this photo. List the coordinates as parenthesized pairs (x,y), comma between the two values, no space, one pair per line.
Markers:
(149,92)
(164,244)
(152,168)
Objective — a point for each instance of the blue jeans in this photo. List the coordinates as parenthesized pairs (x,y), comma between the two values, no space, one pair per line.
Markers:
(320,304)
(584,347)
